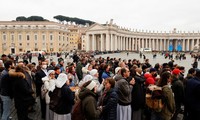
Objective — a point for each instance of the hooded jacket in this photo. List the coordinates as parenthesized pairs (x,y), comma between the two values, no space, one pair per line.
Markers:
(89,104)
(22,91)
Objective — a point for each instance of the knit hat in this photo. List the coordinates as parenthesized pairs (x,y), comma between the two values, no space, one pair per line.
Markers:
(149,81)
(176,71)
(93,72)
(91,85)
(117,69)
(152,70)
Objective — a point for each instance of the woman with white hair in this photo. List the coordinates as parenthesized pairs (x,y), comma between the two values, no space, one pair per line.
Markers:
(49,85)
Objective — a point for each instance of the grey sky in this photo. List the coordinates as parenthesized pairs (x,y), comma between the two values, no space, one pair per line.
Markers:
(158,15)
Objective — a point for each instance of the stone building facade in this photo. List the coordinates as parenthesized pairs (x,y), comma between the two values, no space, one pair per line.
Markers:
(20,37)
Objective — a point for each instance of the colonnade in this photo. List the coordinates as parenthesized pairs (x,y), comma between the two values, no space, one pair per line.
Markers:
(113,42)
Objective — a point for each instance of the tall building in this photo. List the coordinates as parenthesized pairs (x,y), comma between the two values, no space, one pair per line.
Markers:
(111,37)
(23,36)
(75,36)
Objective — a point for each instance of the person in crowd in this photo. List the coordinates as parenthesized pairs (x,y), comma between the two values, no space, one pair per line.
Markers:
(106,72)
(79,67)
(67,98)
(109,101)
(192,97)
(6,90)
(178,90)
(4,58)
(73,78)
(117,72)
(94,73)
(87,69)
(88,97)
(61,65)
(22,92)
(124,93)
(138,94)
(38,80)
(57,71)
(84,80)
(49,85)
(195,63)
(52,65)
(169,108)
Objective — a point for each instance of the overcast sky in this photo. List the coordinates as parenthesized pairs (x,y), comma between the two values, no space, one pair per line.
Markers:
(158,15)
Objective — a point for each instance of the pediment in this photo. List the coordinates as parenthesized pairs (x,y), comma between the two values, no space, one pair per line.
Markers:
(95,27)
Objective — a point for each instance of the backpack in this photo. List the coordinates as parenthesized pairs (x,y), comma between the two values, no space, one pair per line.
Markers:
(55,100)
(77,111)
(155,98)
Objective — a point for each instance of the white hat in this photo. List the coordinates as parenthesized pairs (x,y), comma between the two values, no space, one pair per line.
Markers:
(85,79)
(61,80)
(91,85)
(117,69)
(93,72)
(50,71)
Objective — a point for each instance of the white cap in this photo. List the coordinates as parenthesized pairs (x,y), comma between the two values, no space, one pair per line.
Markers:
(91,85)
(93,72)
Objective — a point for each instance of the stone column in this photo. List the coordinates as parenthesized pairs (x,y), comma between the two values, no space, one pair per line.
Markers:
(192,46)
(111,42)
(139,42)
(93,42)
(87,43)
(183,44)
(142,42)
(121,43)
(101,42)
(129,44)
(146,45)
(107,42)
(161,44)
(150,44)
(116,42)
(136,44)
(133,44)
(165,45)
(153,42)
(124,45)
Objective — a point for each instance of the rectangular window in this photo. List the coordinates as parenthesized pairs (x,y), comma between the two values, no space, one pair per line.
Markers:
(4,37)
(27,44)
(43,37)
(27,37)
(51,37)
(36,37)
(51,43)
(19,37)
(63,38)
(59,38)
(12,37)
(20,44)
(35,44)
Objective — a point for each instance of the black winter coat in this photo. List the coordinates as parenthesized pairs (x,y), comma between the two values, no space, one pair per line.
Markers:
(110,105)
(138,94)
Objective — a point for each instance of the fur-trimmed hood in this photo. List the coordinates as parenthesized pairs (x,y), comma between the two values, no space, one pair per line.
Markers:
(12,73)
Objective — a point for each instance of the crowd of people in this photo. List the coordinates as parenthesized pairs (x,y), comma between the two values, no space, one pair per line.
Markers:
(108,88)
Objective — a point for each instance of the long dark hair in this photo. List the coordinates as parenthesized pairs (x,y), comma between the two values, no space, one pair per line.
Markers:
(164,79)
